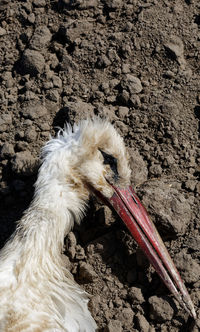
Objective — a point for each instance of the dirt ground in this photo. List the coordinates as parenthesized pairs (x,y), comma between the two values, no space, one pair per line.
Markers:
(137,62)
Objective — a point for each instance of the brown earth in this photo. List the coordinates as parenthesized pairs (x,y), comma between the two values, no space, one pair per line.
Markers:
(137,62)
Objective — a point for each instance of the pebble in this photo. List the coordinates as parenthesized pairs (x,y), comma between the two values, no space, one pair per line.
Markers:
(160,309)
(32,62)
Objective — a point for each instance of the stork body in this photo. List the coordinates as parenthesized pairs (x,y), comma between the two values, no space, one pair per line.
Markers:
(37,292)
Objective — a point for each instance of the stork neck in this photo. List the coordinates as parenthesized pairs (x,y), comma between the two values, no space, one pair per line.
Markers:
(48,220)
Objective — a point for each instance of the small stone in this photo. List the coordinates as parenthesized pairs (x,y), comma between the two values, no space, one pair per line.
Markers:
(160,309)
(32,62)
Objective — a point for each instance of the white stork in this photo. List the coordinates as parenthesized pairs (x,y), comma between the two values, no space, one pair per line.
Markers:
(37,292)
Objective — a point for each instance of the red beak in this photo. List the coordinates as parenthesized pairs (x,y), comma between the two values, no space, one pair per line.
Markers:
(132,212)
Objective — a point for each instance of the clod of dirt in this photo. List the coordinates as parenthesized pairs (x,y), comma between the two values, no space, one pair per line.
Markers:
(114,326)
(138,166)
(171,209)
(86,272)
(2,31)
(142,324)
(135,294)
(23,163)
(113,4)
(40,39)
(71,245)
(188,267)
(123,112)
(76,110)
(131,83)
(176,47)
(32,62)
(5,121)
(7,150)
(160,309)
(67,64)
(33,110)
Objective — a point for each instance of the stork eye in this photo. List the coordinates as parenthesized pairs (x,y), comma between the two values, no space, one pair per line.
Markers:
(112,162)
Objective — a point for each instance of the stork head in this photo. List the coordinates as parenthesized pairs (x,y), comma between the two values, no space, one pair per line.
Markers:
(99,159)
(92,159)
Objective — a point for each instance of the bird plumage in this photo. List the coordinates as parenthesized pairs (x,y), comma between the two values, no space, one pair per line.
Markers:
(37,292)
